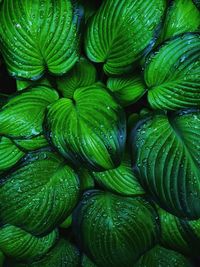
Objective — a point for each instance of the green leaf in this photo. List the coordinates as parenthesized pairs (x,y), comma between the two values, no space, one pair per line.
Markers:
(89,129)
(121,32)
(10,154)
(182,16)
(120,180)
(172,73)
(166,155)
(162,257)
(21,85)
(38,37)
(127,90)
(22,246)
(82,74)
(63,254)
(178,234)
(115,231)
(35,143)
(22,116)
(39,194)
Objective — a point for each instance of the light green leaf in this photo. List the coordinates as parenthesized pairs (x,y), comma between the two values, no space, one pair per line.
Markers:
(115,231)
(172,73)
(178,234)
(39,36)
(10,154)
(162,257)
(39,194)
(82,74)
(22,246)
(122,31)
(120,180)
(182,16)
(166,155)
(127,90)
(89,129)
(63,254)
(22,116)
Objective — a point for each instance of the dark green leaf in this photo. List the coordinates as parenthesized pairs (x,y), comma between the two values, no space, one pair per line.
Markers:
(115,231)
(39,194)
(172,74)
(166,153)
(89,129)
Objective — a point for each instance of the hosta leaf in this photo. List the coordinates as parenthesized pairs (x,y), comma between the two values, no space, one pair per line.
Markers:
(127,90)
(120,32)
(35,143)
(120,180)
(21,85)
(37,36)
(115,230)
(39,194)
(162,257)
(3,99)
(22,246)
(166,154)
(89,129)
(10,154)
(182,16)
(63,254)
(173,74)
(82,74)
(178,234)
(23,115)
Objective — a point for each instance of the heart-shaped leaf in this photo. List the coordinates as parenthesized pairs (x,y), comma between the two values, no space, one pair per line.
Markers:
(115,231)
(88,129)
(166,154)
(121,32)
(172,74)
(36,36)
(39,194)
